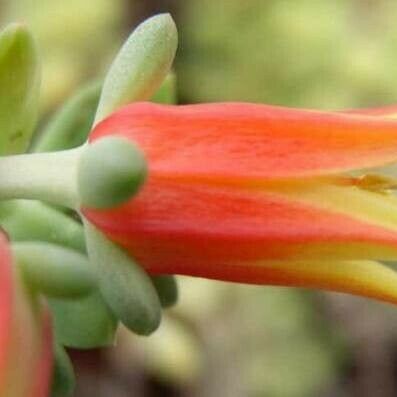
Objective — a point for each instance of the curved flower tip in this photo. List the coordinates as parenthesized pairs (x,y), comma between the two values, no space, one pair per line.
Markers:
(25,336)
(260,194)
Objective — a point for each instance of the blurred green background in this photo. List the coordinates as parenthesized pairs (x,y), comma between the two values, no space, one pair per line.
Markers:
(227,339)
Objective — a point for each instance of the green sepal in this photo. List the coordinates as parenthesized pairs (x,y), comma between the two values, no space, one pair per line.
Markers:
(166,94)
(71,124)
(20,84)
(27,220)
(54,270)
(126,288)
(110,171)
(83,323)
(167,289)
(141,65)
(63,378)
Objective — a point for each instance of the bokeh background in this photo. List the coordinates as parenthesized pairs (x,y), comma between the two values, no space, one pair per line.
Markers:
(227,339)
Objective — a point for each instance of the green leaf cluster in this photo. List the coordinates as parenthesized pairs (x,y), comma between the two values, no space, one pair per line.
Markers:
(90,283)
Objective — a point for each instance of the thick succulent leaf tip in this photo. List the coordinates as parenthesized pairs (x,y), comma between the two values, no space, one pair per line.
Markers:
(141,65)
(20,78)
(97,324)
(126,288)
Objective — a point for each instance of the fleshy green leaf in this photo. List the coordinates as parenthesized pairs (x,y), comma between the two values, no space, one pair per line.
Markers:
(83,323)
(19,82)
(54,270)
(125,286)
(167,92)
(63,379)
(27,220)
(167,289)
(70,126)
(86,322)
(141,65)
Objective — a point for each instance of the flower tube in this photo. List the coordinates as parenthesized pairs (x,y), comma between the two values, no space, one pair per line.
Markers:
(260,194)
(25,335)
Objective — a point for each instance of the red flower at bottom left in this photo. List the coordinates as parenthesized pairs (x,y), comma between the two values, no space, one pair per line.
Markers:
(25,334)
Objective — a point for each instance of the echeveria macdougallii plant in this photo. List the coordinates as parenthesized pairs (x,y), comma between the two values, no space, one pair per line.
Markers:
(231,191)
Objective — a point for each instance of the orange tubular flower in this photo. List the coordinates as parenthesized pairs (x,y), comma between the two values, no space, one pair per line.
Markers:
(25,337)
(260,194)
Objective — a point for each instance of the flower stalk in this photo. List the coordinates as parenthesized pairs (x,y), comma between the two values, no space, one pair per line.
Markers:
(50,177)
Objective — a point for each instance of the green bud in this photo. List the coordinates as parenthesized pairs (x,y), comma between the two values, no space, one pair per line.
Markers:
(63,378)
(20,83)
(83,323)
(70,126)
(125,286)
(140,66)
(110,171)
(167,289)
(54,270)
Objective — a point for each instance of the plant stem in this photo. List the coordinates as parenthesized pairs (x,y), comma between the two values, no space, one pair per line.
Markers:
(41,176)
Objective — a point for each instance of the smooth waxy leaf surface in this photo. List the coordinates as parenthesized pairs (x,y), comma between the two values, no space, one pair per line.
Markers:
(19,84)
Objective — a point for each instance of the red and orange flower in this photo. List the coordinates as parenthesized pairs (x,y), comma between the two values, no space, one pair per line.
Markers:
(261,194)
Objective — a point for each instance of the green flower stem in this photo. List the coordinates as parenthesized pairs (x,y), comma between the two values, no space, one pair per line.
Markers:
(48,177)
(100,175)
